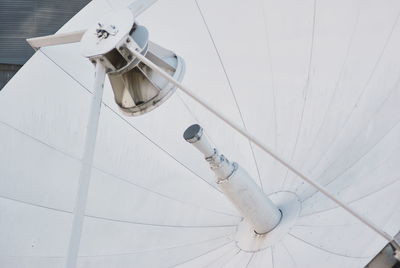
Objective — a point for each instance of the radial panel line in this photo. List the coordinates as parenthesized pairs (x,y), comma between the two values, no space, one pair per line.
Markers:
(231,88)
(375,67)
(113,175)
(126,121)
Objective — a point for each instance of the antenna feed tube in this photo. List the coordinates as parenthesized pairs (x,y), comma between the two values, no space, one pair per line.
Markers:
(237,185)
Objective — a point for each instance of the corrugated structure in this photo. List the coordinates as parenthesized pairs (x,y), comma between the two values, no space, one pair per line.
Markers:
(6,72)
(20,19)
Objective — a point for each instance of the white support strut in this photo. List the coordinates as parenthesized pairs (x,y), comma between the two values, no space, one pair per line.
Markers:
(55,39)
(266,149)
(86,167)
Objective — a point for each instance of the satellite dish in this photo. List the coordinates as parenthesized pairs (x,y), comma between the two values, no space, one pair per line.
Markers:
(321,94)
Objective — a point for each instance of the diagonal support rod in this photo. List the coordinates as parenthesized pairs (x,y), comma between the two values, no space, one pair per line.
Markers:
(266,149)
(86,167)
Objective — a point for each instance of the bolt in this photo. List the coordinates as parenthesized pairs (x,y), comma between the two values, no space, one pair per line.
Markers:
(128,40)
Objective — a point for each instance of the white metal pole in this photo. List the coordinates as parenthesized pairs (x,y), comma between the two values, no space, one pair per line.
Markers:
(237,184)
(266,149)
(86,167)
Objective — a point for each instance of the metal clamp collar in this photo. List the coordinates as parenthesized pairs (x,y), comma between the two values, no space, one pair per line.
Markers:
(235,168)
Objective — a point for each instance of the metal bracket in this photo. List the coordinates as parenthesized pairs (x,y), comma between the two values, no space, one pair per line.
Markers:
(104,31)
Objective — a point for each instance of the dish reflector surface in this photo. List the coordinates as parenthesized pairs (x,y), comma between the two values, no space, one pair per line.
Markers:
(318,81)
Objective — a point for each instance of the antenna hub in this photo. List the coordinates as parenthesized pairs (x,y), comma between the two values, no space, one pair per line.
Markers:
(137,88)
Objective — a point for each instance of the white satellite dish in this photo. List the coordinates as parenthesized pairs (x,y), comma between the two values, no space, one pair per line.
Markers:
(152,202)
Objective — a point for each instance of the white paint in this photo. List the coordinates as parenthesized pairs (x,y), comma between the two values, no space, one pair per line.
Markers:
(267,60)
(237,185)
(86,167)
(290,205)
(268,150)
(250,200)
(55,39)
